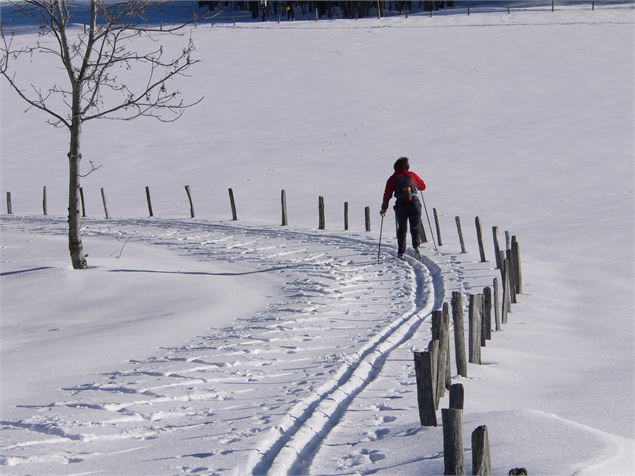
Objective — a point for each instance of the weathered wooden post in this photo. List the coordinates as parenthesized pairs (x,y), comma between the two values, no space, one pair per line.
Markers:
(457,396)
(9,204)
(453,441)
(497,316)
(232,204)
(283,202)
(321,224)
(518,278)
(506,291)
(481,464)
(475,329)
(345,215)
(479,237)
(553,5)
(512,275)
(81,197)
(44,209)
(149,201)
(507,242)
(436,224)
(459,336)
(446,331)
(458,228)
(496,246)
(103,200)
(425,388)
(367,218)
(442,333)
(433,348)
(487,315)
(189,197)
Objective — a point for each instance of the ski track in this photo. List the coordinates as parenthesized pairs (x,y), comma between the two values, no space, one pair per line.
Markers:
(272,385)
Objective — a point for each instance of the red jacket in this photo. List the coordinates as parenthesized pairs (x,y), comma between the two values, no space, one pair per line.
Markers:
(393,188)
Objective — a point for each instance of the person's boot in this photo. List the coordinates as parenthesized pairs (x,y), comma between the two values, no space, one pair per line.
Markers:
(417,253)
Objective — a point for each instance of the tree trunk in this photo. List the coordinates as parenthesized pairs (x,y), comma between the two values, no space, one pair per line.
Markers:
(74,218)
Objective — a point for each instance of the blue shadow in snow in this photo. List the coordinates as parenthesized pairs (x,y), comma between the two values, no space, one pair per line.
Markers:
(203,273)
(10,273)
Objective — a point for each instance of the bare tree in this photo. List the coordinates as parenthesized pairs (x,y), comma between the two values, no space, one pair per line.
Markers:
(97,60)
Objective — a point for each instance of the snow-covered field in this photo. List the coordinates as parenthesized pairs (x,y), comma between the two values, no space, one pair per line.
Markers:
(216,347)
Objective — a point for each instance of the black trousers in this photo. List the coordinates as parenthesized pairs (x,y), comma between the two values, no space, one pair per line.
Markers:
(408,212)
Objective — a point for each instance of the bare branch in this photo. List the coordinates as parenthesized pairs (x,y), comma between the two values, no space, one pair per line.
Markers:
(92,169)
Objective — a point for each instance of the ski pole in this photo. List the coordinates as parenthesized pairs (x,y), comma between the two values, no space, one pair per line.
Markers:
(429,225)
(381,228)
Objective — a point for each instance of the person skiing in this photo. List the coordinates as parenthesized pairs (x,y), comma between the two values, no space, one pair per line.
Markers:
(404,185)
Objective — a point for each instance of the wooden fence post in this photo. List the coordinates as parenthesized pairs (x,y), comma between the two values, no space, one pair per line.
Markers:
(322,224)
(518,278)
(44,209)
(442,333)
(149,201)
(9,205)
(481,464)
(283,203)
(458,228)
(345,215)
(436,224)
(81,197)
(459,335)
(512,275)
(189,197)
(507,243)
(367,218)
(497,316)
(446,331)
(487,315)
(453,441)
(496,246)
(457,396)
(425,390)
(479,236)
(475,329)
(553,5)
(506,291)
(232,204)
(433,348)
(103,200)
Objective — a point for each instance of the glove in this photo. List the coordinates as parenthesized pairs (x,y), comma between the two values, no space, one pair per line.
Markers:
(382,213)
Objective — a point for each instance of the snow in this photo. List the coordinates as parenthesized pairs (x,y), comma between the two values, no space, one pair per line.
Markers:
(217,347)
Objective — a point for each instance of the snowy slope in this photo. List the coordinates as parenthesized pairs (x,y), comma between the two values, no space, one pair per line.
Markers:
(525,120)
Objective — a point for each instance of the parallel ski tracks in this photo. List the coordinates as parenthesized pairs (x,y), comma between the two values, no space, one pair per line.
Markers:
(290,444)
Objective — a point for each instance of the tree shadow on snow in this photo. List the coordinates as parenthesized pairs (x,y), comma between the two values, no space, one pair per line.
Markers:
(204,273)
(10,273)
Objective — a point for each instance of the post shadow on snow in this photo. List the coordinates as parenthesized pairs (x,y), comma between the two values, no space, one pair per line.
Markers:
(11,273)
(205,273)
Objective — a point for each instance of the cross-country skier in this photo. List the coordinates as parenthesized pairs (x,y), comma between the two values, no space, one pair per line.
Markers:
(404,185)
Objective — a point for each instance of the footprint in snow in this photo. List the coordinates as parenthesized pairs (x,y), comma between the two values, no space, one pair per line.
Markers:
(373,455)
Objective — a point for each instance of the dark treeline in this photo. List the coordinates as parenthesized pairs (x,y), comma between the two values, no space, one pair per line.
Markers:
(327,9)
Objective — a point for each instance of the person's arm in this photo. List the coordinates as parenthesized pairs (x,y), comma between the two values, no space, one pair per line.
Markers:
(390,187)
(421,185)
